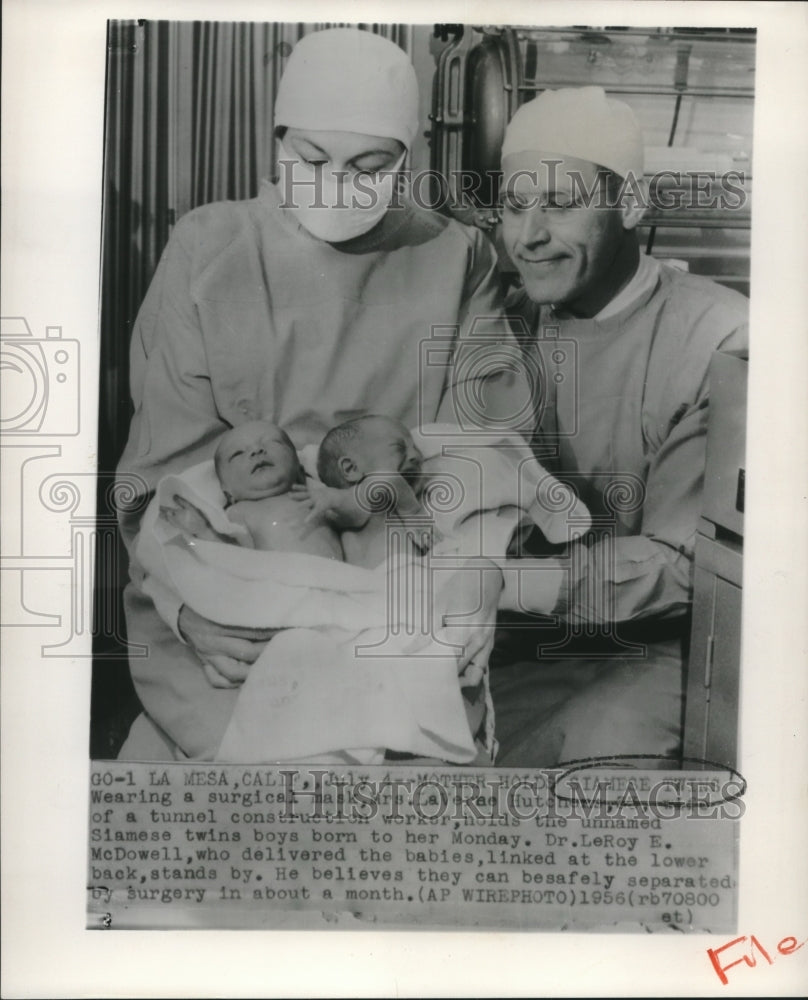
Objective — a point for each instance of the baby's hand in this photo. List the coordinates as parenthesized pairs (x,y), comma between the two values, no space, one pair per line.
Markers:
(318,499)
(189,519)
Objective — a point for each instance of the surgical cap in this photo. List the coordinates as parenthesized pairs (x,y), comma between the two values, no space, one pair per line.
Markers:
(348,80)
(580,122)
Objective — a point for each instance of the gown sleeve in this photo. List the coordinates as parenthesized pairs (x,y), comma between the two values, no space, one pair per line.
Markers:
(650,573)
(175,420)
(175,417)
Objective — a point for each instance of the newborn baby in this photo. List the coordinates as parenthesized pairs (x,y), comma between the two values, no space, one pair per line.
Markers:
(378,447)
(257,467)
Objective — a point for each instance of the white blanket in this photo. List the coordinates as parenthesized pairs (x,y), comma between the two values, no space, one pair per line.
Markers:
(370,659)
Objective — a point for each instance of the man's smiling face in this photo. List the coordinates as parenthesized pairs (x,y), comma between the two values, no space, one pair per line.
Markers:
(567,252)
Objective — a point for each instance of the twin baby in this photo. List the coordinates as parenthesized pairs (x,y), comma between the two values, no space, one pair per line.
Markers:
(269,495)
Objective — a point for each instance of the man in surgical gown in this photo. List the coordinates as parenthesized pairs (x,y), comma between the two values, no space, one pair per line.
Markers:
(622,344)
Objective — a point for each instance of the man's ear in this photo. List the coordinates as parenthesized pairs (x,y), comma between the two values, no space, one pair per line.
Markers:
(633,201)
(349,469)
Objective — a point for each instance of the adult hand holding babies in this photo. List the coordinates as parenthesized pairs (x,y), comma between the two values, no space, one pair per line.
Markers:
(227,651)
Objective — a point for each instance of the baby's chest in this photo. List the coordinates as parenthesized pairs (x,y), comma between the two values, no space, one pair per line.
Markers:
(271,520)
(278,524)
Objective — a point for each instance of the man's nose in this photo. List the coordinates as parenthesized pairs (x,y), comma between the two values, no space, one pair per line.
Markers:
(534,229)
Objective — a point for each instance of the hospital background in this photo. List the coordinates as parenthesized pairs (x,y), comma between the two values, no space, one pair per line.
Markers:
(189,120)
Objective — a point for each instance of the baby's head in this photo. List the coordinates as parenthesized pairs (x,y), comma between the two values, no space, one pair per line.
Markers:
(256,460)
(365,445)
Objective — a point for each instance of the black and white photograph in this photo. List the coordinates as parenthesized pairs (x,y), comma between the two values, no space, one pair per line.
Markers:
(436,342)
(559,349)
(412,574)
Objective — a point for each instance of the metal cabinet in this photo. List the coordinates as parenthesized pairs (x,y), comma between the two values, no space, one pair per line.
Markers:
(711,718)
(713,676)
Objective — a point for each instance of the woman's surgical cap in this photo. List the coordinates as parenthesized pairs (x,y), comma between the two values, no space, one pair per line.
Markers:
(349,80)
(580,122)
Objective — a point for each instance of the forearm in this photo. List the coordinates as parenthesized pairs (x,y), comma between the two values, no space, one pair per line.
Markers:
(622,579)
(532,586)
(406,503)
(171,685)
(626,579)
(344,509)
(167,603)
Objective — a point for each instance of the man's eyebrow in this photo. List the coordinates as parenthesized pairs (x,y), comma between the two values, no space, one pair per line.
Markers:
(542,193)
(511,190)
(522,179)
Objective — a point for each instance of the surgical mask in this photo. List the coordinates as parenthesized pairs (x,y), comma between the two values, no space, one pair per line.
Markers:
(335,207)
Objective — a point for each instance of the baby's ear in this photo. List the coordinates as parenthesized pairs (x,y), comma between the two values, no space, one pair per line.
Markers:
(349,469)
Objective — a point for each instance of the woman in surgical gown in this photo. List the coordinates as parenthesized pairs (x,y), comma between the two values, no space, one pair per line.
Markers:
(292,309)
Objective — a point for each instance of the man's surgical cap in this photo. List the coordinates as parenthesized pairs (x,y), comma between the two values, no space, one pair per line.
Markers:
(580,122)
(348,80)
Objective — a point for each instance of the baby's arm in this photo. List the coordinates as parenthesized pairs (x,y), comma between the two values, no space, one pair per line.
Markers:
(406,504)
(239,513)
(411,511)
(339,508)
(350,509)
(191,521)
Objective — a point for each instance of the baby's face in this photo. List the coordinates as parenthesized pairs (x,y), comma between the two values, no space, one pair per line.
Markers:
(255,461)
(385,445)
